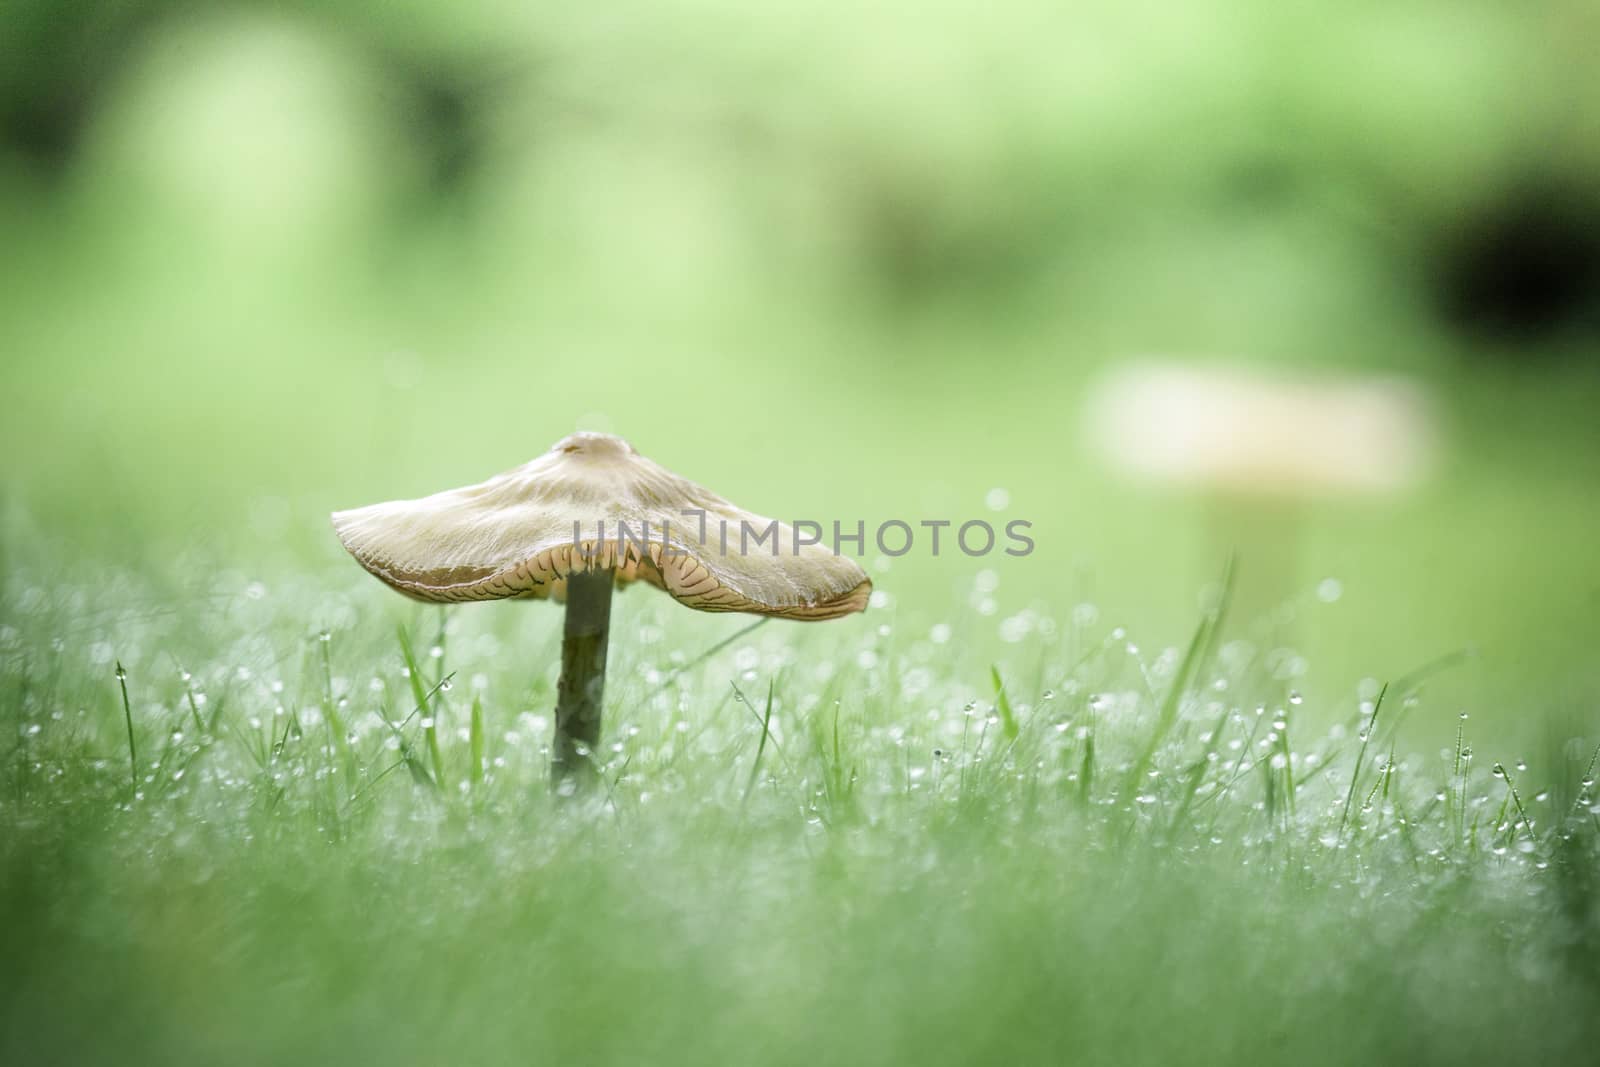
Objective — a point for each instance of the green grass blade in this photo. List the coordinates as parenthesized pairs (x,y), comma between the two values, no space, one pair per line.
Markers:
(761,746)
(1002,704)
(475,742)
(1361,754)
(1201,646)
(127,715)
(1086,770)
(430,728)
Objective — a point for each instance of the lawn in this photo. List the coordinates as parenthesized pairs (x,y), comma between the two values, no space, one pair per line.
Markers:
(851,842)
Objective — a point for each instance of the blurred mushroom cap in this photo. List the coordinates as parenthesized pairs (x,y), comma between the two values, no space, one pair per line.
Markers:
(513,536)
(1235,431)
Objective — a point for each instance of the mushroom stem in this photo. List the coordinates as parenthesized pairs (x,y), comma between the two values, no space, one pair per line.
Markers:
(573,757)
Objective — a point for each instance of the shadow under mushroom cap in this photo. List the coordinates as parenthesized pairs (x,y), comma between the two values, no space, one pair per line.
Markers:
(512,537)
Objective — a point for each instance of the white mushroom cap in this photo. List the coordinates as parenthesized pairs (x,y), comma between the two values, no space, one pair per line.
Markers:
(512,536)
(1232,430)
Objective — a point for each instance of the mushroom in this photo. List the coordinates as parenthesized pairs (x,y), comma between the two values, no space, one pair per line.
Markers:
(587,516)
(1256,435)
(1257,447)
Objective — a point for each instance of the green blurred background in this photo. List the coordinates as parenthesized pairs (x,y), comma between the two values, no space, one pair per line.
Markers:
(262,261)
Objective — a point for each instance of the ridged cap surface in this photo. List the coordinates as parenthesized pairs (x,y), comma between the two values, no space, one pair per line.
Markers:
(512,536)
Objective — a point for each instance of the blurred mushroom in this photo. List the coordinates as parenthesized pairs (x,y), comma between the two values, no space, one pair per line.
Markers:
(541,531)
(1259,447)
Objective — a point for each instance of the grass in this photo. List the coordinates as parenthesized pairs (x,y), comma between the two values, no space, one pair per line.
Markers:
(339,845)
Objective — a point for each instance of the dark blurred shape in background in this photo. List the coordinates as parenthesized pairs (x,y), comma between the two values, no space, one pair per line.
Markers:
(55,61)
(1525,267)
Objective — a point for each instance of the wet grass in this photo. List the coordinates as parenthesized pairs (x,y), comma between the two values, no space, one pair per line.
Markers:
(849,843)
